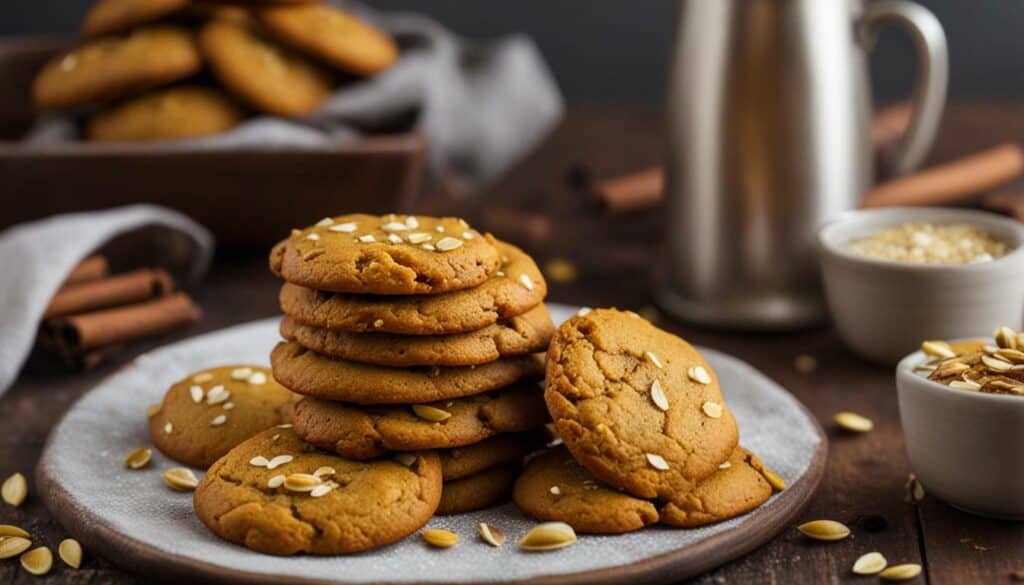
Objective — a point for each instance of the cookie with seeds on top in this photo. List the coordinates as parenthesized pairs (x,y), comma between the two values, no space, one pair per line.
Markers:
(386,255)
(113,16)
(523,334)
(276,494)
(112,68)
(637,406)
(332,36)
(516,288)
(554,487)
(501,449)
(205,415)
(476,492)
(176,113)
(737,487)
(363,432)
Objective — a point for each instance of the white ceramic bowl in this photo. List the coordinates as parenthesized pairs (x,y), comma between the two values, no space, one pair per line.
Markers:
(964,446)
(884,309)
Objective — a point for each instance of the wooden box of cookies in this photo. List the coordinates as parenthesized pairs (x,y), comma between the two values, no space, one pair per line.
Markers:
(249,197)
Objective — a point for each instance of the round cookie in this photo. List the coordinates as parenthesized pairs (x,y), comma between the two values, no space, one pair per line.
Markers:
(523,334)
(581,500)
(477,492)
(637,406)
(180,112)
(386,255)
(372,504)
(366,432)
(312,374)
(503,296)
(737,489)
(112,68)
(113,16)
(332,36)
(498,450)
(205,415)
(269,78)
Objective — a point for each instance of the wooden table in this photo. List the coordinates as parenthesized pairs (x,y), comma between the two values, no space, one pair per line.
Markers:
(864,483)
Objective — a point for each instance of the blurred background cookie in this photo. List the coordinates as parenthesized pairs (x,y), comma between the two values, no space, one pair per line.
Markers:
(114,16)
(178,112)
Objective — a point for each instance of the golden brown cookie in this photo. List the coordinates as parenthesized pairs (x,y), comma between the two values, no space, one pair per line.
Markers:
(362,432)
(332,36)
(524,334)
(113,16)
(736,488)
(112,68)
(503,296)
(386,255)
(258,72)
(637,406)
(505,448)
(179,112)
(205,415)
(555,487)
(312,374)
(479,491)
(276,494)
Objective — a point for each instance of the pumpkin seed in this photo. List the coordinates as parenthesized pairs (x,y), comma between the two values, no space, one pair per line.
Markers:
(1005,337)
(138,458)
(853,422)
(774,479)
(805,364)
(658,396)
(202,377)
(699,374)
(14,489)
(871,563)
(548,536)
(903,572)
(656,461)
(996,364)
(492,535)
(440,537)
(301,482)
(181,479)
(914,489)
(939,349)
(431,413)
(712,409)
(70,551)
(13,546)
(965,385)
(827,530)
(9,530)
(322,471)
(37,561)
(406,459)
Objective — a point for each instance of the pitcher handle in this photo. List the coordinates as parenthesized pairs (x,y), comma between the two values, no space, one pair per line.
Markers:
(932,75)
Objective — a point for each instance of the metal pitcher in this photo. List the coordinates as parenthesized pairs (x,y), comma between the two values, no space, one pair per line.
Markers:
(769,119)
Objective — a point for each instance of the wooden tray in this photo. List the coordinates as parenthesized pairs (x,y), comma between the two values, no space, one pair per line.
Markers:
(249,198)
(131,518)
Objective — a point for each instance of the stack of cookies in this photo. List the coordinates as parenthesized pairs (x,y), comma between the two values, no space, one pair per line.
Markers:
(409,333)
(163,69)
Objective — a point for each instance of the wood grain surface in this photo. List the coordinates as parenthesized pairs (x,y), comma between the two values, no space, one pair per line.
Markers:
(863,485)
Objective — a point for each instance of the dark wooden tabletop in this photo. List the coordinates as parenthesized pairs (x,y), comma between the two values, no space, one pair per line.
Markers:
(864,483)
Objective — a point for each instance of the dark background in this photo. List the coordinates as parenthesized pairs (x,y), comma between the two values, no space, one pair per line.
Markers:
(616,51)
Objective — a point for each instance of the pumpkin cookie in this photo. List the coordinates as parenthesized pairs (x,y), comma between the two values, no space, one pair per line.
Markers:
(113,16)
(637,406)
(386,255)
(115,67)
(738,487)
(524,334)
(258,72)
(205,415)
(555,487)
(332,36)
(312,374)
(498,450)
(479,491)
(516,287)
(366,432)
(275,494)
(180,112)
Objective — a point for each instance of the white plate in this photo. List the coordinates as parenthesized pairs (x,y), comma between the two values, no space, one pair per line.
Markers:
(134,520)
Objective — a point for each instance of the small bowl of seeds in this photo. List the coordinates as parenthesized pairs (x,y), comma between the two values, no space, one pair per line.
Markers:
(962,410)
(896,276)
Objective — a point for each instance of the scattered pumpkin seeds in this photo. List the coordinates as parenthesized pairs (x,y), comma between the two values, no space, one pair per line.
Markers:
(871,563)
(138,458)
(276,481)
(914,490)
(11,530)
(448,243)
(431,413)
(774,479)
(939,349)
(301,482)
(548,536)
(181,479)
(492,535)
(827,530)
(202,377)
(699,374)
(658,396)
(440,538)
(654,359)
(1005,337)
(14,489)
(70,551)
(656,461)
(712,409)
(13,546)
(903,572)
(37,561)
(196,393)
(279,461)
(853,422)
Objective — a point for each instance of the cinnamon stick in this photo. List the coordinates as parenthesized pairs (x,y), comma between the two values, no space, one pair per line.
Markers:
(92,268)
(952,182)
(86,331)
(122,289)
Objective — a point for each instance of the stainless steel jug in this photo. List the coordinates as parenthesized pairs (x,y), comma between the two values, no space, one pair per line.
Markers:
(769,115)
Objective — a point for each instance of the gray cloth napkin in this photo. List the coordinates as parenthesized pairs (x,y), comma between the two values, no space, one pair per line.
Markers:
(38,256)
(482,105)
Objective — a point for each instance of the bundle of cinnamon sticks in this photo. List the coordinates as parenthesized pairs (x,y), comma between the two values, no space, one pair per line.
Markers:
(94,313)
